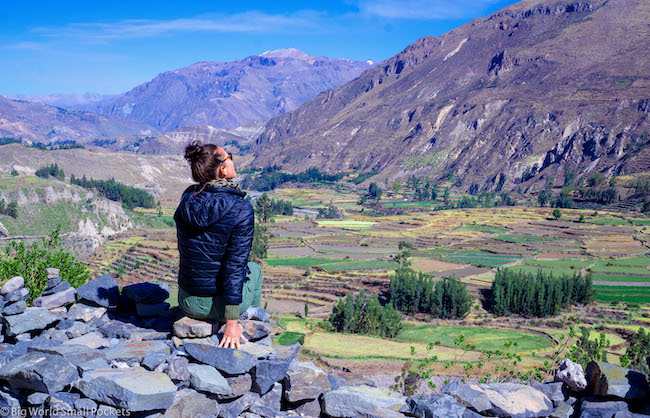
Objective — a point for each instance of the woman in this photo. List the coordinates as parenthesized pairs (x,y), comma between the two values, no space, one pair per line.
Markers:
(215,224)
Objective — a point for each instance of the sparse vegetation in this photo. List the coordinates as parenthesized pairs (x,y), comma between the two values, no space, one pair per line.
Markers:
(360,314)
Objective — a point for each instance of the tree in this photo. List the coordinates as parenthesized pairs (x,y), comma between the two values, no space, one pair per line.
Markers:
(374,191)
(396,186)
(360,314)
(12,209)
(159,208)
(260,244)
(445,197)
(14,172)
(263,206)
(557,214)
(637,354)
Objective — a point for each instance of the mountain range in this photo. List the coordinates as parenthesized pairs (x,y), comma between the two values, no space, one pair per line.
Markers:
(230,94)
(544,87)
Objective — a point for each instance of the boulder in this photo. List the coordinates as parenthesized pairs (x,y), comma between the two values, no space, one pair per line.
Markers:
(12,285)
(572,374)
(33,319)
(178,369)
(134,388)
(429,406)
(304,380)
(153,360)
(60,287)
(40,372)
(56,299)
(208,379)
(607,380)
(468,395)
(63,401)
(234,409)
(135,351)
(255,330)
(85,313)
(607,409)
(268,405)
(100,292)
(226,360)
(255,314)
(90,365)
(187,327)
(258,350)
(147,292)
(354,401)
(188,403)
(515,400)
(15,308)
(145,310)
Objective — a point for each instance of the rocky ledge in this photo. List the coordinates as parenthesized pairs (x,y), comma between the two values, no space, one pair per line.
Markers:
(96,351)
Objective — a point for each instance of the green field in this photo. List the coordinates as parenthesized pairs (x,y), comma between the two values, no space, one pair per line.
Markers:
(480,258)
(300,261)
(604,277)
(288,338)
(641,271)
(482,338)
(630,294)
(484,228)
(607,220)
(559,272)
(637,261)
(358,225)
(361,265)
(566,263)
(523,239)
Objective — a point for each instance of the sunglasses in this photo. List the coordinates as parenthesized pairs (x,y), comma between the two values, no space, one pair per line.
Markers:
(228,157)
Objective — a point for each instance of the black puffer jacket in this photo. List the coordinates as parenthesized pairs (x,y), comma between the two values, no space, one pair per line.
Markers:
(215,235)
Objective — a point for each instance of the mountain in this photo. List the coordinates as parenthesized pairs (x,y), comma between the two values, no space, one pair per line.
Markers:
(40,123)
(229,94)
(547,87)
(60,100)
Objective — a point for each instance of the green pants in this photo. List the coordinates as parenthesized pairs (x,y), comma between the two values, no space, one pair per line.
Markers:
(212,308)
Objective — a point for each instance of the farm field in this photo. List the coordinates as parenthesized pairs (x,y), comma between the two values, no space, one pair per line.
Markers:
(317,261)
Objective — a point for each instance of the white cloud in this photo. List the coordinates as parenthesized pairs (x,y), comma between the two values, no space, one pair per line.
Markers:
(423,9)
(249,22)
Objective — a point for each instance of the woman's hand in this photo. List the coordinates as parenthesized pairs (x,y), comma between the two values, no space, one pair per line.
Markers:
(232,335)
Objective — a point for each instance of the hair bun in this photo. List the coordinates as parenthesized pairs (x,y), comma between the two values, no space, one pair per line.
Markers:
(193,151)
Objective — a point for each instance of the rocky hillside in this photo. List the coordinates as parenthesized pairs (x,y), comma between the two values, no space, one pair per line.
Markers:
(40,123)
(543,86)
(230,94)
(87,220)
(164,176)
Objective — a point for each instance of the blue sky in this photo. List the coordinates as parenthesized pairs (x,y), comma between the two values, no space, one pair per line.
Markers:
(111,46)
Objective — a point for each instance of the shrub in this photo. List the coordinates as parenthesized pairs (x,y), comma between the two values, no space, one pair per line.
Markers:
(638,352)
(31,263)
(556,213)
(359,314)
(51,170)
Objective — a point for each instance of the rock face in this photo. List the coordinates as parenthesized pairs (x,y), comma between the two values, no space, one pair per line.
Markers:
(138,389)
(608,380)
(227,95)
(482,100)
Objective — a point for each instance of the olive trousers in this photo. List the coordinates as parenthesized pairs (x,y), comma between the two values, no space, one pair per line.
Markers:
(212,308)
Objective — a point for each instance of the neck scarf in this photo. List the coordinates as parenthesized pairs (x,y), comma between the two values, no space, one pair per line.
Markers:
(225,183)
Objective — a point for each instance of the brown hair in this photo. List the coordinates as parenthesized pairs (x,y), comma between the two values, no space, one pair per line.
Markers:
(204,161)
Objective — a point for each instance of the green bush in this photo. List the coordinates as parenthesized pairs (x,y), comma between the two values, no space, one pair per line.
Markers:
(638,352)
(363,315)
(31,263)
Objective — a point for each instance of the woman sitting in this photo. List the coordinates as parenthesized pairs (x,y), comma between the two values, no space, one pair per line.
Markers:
(215,224)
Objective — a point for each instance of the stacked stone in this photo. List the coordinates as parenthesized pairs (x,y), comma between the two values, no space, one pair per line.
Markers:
(106,356)
(57,294)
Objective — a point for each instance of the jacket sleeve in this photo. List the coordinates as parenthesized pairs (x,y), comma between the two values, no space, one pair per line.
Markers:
(235,260)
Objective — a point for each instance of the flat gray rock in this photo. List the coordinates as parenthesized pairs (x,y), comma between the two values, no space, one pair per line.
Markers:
(91,340)
(134,388)
(11,404)
(354,401)
(562,411)
(101,292)
(255,314)
(468,396)
(304,380)
(52,272)
(515,400)
(269,404)
(226,360)
(605,409)
(178,369)
(57,299)
(40,372)
(268,372)
(208,379)
(236,408)
(90,365)
(427,406)
(188,403)
(153,360)
(51,283)
(555,391)
(32,319)
(11,285)
(15,308)
(85,313)
(239,385)
(187,327)
(147,292)
(16,295)
(59,287)
(135,351)
(75,354)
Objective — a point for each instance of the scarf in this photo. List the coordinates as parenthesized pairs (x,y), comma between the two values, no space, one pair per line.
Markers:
(225,183)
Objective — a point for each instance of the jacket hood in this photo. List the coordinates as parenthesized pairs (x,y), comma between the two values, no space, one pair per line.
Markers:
(204,209)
